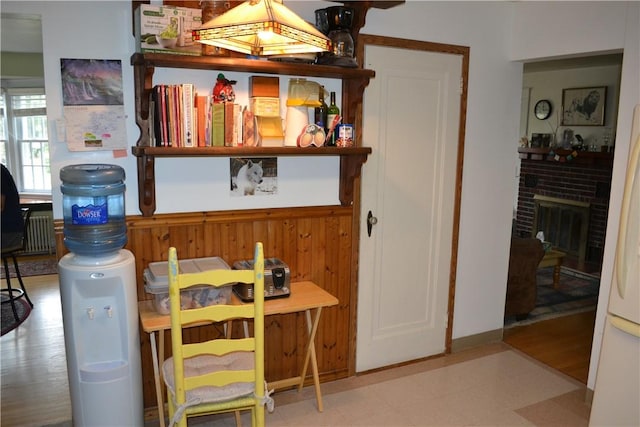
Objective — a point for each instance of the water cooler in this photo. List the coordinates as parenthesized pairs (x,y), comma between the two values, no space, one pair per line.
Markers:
(99,299)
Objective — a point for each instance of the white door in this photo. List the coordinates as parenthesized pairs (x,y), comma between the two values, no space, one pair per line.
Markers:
(411,116)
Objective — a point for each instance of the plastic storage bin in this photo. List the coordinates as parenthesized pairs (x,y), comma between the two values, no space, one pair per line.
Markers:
(157,283)
(93,208)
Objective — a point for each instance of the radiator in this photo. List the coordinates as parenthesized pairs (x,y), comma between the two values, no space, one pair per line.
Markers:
(40,236)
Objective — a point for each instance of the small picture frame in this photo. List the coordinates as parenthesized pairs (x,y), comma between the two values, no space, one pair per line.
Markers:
(584,106)
(540,140)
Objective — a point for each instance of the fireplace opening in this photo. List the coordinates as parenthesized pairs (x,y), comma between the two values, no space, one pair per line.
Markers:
(565,223)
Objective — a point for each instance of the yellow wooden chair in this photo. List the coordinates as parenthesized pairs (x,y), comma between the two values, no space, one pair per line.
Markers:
(219,375)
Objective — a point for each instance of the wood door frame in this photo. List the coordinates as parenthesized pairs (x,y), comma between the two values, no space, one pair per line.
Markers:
(463,51)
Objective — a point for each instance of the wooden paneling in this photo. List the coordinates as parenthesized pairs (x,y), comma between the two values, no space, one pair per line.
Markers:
(315,242)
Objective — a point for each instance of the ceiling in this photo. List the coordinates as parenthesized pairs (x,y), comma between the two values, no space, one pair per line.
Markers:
(575,62)
(21,33)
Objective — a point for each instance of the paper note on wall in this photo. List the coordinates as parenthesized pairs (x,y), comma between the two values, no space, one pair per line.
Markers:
(96,127)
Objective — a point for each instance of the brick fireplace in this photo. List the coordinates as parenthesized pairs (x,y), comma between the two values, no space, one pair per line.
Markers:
(566,194)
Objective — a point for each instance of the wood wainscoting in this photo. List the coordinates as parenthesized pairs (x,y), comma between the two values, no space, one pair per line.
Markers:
(317,243)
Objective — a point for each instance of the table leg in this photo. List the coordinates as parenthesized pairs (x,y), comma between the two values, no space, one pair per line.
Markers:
(556,274)
(156,372)
(311,355)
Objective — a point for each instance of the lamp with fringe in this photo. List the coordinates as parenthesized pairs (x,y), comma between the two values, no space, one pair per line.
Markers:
(262,28)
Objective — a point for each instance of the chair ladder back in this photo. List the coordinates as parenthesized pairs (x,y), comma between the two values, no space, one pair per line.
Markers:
(219,346)
(220,378)
(216,313)
(216,278)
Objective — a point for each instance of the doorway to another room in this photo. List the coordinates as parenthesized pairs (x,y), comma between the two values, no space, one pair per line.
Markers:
(563,194)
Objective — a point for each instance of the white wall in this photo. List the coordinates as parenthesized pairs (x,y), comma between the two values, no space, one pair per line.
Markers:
(498,33)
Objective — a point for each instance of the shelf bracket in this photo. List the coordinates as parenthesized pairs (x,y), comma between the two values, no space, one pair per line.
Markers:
(146,184)
(350,169)
(143,77)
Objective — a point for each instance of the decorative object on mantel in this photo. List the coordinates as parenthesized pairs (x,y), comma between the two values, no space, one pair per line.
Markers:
(541,140)
(583,158)
(554,130)
(562,159)
(567,139)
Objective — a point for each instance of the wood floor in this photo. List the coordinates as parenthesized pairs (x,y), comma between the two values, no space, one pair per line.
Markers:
(564,343)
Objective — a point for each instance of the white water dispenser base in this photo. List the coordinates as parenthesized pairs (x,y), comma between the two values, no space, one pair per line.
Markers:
(100,316)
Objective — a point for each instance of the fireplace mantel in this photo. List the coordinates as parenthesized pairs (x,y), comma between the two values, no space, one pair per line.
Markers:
(581,180)
(561,156)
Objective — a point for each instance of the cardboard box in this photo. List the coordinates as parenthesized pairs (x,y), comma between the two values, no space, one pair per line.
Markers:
(265,106)
(263,86)
(154,21)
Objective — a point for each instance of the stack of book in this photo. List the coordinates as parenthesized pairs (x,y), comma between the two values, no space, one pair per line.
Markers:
(179,117)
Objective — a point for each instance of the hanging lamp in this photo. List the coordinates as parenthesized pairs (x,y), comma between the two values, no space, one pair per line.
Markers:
(262,28)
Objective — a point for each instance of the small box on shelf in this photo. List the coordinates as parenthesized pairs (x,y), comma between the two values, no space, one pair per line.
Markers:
(264,86)
(167,29)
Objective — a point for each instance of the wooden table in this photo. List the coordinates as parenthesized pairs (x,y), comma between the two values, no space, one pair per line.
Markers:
(553,259)
(305,296)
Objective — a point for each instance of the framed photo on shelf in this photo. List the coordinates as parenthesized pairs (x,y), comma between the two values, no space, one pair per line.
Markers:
(584,106)
(540,140)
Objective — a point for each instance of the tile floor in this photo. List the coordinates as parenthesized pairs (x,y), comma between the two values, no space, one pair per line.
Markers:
(491,385)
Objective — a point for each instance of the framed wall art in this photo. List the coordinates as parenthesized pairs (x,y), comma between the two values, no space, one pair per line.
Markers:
(584,106)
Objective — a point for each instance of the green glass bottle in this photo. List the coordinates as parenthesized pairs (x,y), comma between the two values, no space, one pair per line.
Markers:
(320,112)
(332,112)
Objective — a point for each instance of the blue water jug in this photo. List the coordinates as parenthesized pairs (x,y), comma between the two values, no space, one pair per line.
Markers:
(93,208)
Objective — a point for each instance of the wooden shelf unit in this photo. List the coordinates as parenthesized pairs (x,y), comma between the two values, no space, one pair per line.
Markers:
(354,81)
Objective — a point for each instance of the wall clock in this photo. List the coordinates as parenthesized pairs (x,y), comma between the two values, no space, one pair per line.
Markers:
(542,110)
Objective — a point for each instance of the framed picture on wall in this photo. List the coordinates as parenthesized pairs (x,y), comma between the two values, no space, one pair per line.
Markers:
(584,106)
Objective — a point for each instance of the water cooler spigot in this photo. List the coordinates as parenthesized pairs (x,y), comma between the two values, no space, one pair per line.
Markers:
(109,311)
(91,313)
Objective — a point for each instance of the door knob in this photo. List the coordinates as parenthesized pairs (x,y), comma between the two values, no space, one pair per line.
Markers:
(371,221)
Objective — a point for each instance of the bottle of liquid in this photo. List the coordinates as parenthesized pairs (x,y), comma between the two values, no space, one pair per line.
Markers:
(332,112)
(320,112)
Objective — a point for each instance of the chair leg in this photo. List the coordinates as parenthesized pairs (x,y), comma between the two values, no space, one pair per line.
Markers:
(9,290)
(24,291)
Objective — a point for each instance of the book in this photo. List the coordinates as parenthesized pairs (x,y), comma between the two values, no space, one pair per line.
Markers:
(188,119)
(228,124)
(155,137)
(237,125)
(201,109)
(249,137)
(171,117)
(217,125)
(164,124)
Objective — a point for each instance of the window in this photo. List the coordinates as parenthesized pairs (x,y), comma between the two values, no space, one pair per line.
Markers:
(24,144)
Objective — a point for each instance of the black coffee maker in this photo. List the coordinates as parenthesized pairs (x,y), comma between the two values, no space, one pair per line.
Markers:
(336,22)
